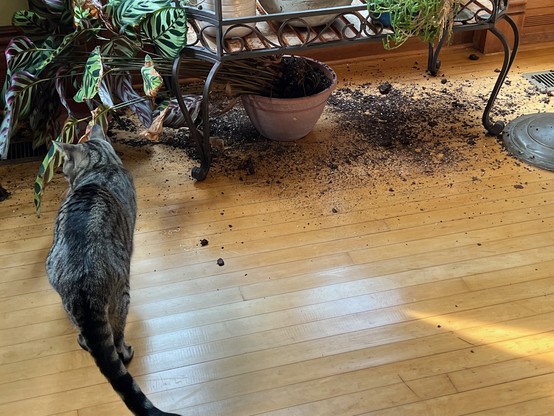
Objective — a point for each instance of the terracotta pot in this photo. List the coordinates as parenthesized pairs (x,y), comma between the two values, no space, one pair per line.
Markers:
(285,6)
(288,119)
(231,9)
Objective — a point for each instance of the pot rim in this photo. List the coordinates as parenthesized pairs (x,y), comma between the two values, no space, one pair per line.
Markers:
(329,72)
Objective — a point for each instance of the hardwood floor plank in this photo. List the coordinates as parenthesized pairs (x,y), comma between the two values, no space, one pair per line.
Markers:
(539,407)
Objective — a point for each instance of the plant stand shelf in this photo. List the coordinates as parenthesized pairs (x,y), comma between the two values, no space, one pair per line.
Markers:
(289,33)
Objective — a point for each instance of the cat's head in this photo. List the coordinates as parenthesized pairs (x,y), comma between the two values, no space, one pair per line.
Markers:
(80,159)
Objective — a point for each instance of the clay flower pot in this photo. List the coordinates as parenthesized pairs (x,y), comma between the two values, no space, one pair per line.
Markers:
(289,119)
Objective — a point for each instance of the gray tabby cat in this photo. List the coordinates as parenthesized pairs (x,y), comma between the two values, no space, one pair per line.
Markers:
(89,261)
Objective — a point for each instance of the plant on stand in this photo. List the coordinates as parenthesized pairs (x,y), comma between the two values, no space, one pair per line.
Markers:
(428,20)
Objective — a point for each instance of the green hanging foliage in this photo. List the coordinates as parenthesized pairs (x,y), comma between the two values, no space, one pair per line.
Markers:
(91,77)
(426,19)
(152,81)
(52,161)
(167,29)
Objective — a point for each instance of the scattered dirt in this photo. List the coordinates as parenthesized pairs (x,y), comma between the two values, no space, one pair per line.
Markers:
(431,128)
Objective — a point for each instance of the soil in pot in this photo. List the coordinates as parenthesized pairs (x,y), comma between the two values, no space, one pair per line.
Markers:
(299,78)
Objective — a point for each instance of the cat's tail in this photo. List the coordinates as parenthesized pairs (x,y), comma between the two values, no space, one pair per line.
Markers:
(97,333)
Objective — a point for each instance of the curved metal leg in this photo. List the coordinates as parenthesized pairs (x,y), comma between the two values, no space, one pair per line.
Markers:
(433,63)
(509,56)
(202,139)
(195,134)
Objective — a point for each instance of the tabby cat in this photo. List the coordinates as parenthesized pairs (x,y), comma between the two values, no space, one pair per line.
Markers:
(89,261)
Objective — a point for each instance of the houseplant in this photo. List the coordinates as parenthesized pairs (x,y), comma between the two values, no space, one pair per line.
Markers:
(428,20)
(82,52)
(291,108)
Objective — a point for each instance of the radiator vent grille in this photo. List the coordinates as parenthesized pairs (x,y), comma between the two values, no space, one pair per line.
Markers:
(543,80)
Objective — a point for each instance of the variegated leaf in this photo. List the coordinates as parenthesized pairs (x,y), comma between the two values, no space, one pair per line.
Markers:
(167,29)
(60,83)
(84,11)
(47,8)
(174,118)
(32,24)
(21,53)
(91,77)
(152,81)
(18,104)
(44,115)
(68,41)
(120,46)
(6,132)
(105,94)
(53,160)
(122,87)
(45,173)
(131,12)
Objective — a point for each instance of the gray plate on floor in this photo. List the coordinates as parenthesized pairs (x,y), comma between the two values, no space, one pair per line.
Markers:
(530,138)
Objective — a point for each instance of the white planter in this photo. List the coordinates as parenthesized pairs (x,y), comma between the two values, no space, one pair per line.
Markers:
(231,9)
(285,6)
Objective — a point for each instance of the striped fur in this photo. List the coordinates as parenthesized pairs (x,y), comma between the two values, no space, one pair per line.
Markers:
(89,261)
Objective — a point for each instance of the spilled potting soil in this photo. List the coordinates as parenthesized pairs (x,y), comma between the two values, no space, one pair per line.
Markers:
(385,132)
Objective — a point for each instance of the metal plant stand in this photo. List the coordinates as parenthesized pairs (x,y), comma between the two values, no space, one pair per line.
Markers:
(287,33)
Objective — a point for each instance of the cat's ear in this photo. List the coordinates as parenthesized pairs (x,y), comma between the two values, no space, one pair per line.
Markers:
(66,149)
(61,147)
(97,132)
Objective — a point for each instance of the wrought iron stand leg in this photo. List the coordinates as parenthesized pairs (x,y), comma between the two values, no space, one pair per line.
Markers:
(194,133)
(509,56)
(202,139)
(433,63)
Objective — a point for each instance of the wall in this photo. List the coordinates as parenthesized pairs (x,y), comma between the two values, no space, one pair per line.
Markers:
(538,25)
(8,8)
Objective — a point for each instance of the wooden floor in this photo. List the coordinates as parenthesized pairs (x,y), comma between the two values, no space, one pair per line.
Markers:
(427,296)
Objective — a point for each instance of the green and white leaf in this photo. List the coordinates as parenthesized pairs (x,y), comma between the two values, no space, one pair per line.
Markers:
(91,77)
(32,24)
(120,46)
(152,81)
(18,105)
(53,160)
(122,88)
(132,12)
(22,54)
(167,29)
